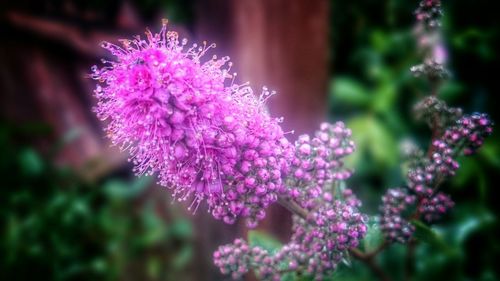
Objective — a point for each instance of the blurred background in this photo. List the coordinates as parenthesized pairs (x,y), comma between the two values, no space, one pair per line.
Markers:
(70,208)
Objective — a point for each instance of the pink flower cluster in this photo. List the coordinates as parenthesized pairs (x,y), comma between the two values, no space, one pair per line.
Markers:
(318,162)
(234,258)
(422,178)
(179,117)
(331,230)
(392,223)
(211,140)
(465,136)
(333,225)
(429,12)
(430,41)
(436,113)
(469,132)
(316,246)
(238,258)
(434,207)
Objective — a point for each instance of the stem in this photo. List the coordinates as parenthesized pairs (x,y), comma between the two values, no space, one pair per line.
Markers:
(370,262)
(293,207)
(436,129)
(436,133)
(410,260)
(376,251)
(379,249)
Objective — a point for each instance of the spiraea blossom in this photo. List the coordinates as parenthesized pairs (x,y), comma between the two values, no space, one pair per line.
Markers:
(430,41)
(465,137)
(427,172)
(469,133)
(317,246)
(317,163)
(325,238)
(434,207)
(436,113)
(333,224)
(180,115)
(393,223)
(454,134)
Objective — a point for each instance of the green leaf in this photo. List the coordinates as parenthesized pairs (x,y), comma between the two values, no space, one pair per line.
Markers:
(155,229)
(424,232)
(373,238)
(384,97)
(98,265)
(263,240)
(372,137)
(451,90)
(470,220)
(31,163)
(183,257)
(468,171)
(490,151)
(181,228)
(427,235)
(154,267)
(348,90)
(123,190)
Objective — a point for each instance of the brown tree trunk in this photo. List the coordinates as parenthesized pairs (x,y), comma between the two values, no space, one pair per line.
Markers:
(283,44)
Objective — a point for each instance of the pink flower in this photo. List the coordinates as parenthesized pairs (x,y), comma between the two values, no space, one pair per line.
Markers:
(179,117)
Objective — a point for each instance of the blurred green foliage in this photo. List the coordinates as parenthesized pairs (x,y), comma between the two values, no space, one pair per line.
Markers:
(56,226)
(373,91)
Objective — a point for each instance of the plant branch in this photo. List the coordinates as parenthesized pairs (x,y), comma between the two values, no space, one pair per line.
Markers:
(436,133)
(410,260)
(370,262)
(379,249)
(293,207)
(373,253)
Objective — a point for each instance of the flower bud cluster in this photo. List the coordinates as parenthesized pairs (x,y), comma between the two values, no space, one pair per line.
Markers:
(233,258)
(178,118)
(436,113)
(424,177)
(333,225)
(454,137)
(256,179)
(465,137)
(432,209)
(393,224)
(330,231)
(238,258)
(317,245)
(318,162)
(430,41)
(469,132)
(426,173)
(429,13)
(442,160)
(430,68)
